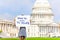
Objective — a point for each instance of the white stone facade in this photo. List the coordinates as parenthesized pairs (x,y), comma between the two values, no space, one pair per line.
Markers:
(8,28)
(42,21)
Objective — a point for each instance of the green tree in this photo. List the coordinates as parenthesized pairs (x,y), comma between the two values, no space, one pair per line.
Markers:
(0,31)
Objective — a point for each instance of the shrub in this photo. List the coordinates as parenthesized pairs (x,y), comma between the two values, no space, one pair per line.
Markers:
(0,31)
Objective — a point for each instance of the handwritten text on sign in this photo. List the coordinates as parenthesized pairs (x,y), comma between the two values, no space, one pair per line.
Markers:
(22,20)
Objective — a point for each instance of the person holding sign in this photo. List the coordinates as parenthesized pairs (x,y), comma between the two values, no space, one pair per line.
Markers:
(21,22)
(22,33)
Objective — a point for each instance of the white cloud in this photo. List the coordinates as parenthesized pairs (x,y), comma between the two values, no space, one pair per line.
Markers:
(12,5)
(6,16)
(8,3)
(15,4)
(56,9)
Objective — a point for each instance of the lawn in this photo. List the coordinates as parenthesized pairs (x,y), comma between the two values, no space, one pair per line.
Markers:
(9,38)
(30,38)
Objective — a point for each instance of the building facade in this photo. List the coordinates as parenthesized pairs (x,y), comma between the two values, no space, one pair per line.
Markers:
(8,28)
(42,20)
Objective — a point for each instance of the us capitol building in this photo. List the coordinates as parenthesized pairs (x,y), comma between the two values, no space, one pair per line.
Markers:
(8,29)
(41,22)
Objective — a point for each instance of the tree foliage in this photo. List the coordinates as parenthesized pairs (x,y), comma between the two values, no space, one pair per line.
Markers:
(0,31)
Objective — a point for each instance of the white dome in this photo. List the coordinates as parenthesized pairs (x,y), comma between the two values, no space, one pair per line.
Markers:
(41,7)
(41,12)
(41,3)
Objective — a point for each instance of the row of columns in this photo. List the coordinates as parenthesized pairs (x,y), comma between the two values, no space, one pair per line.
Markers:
(4,27)
(45,30)
(7,28)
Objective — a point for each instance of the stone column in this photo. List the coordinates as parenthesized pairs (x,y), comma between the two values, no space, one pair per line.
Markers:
(0,26)
(3,28)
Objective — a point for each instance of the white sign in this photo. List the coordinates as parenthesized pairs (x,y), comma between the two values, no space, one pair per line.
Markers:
(22,20)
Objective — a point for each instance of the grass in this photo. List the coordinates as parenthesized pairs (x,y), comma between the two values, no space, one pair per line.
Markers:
(31,38)
(9,38)
(43,38)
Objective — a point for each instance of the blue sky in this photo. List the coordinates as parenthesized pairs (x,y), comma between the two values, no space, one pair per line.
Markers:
(11,8)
